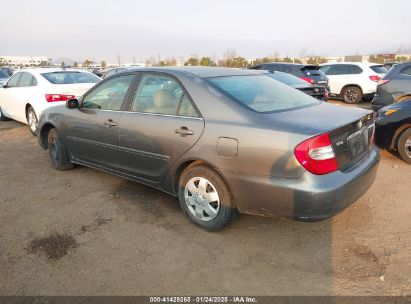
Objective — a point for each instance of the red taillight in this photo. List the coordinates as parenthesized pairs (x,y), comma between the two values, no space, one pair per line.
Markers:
(383,81)
(309,80)
(375,78)
(58,97)
(316,154)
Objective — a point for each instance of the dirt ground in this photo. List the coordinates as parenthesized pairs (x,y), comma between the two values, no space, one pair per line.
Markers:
(84,232)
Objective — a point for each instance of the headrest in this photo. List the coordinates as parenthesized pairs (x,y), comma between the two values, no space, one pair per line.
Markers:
(163,99)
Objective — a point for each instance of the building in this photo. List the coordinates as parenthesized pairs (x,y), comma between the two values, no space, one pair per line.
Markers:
(23,60)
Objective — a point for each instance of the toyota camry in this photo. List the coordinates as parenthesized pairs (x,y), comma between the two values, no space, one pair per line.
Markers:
(221,140)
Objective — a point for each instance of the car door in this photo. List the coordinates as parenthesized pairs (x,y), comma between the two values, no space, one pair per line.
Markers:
(337,77)
(92,129)
(158,126)
(26,94)
(8,97)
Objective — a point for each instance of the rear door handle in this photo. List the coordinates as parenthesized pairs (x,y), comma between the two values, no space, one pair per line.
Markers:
(184,131)
(110,123)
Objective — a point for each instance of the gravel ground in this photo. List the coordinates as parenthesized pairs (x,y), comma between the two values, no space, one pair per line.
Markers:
(84,232)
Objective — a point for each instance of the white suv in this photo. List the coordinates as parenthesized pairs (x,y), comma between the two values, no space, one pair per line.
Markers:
(353,81)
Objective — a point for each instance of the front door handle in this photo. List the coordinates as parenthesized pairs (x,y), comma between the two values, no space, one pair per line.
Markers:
(184,131)
(110,123)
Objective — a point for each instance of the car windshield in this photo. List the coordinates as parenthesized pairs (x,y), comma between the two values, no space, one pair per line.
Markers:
(379,69)
(263,94)
(3,74)
(67,77)
(312,70)
(289,79)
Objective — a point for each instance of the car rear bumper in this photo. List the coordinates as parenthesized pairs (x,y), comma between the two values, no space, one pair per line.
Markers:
(310,197)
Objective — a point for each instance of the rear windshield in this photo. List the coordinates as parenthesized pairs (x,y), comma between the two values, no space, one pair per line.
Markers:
(66,77)
(379,69)
(289,79)
(312,70)
(263,94)
(3,74)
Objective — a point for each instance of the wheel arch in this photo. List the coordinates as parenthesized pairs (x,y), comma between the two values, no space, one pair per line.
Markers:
(44,131)
(191,163)
(398,133)
(351,85)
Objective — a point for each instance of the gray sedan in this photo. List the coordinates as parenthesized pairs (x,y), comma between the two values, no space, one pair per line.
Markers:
(221,140)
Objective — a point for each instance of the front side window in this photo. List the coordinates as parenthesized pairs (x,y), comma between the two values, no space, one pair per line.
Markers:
(70,77)
(262,94)
(109,95)
(14,80)
(161,95)
(27,80)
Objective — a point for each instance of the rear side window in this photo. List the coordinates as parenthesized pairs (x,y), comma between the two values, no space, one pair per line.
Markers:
(406,70)
(262,94)
(27,80)
(341,69)
(66,77)
(14,80)
(379,69)
(312,71)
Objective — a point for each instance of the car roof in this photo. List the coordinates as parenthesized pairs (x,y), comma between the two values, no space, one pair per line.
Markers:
(203,72)
(367,64)
(39,71)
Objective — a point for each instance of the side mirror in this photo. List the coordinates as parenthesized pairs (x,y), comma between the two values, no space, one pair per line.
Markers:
(72,104)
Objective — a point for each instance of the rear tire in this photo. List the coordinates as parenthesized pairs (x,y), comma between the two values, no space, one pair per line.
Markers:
(32,120)
(58,152)
(351,95)
(205,198)
(404,145)
(2,117)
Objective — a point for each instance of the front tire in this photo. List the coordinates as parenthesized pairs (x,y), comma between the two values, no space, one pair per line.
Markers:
(404,145)
(351,95)
(58,152)
(205,198)
(32,120)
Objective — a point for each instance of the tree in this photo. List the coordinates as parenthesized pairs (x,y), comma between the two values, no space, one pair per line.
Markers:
(87,63)
(192,61)
(296,60)
(75,64)
(103,64)
(287,59)
(206,61)
(401,58)
(62,65)
(376,59)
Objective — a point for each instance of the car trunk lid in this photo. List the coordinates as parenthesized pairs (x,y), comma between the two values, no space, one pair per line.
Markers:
(351,129)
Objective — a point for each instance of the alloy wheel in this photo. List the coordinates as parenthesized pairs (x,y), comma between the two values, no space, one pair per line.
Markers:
(32,120)
(408,147)
(351,95)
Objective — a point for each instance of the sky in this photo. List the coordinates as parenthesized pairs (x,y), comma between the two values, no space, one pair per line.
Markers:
(101,29)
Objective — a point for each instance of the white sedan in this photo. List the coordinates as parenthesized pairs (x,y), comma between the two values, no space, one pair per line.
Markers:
(29,92)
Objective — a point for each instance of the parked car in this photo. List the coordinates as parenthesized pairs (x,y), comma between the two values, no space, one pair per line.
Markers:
(394,86)
(29,92)
(393,128)
(389,65)
(221,140)
(114,71)
(3,77)
(353,81)
(307,72)
(315,91)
